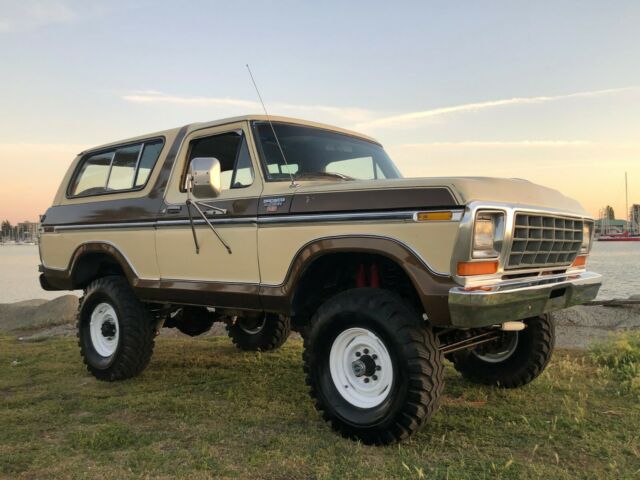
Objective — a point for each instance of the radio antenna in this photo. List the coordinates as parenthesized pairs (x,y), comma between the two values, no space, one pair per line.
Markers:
(293,183)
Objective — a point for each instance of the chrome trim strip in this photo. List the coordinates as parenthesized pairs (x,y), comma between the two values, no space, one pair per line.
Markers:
(268,220)
(336,217)
(100,226)
(214,220)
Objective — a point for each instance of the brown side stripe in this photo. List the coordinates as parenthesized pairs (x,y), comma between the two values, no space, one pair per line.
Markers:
(366,200)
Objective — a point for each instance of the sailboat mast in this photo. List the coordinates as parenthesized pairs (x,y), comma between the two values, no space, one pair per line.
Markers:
(626,199)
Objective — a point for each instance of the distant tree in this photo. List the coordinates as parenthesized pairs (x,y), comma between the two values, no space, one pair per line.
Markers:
(5,229)
(609,213)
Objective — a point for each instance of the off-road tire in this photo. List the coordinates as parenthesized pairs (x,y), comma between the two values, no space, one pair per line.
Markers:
(274,332)
(136,330)
(418,371)
(528,361)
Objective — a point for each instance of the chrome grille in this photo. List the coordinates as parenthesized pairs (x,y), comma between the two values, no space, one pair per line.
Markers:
(544,241)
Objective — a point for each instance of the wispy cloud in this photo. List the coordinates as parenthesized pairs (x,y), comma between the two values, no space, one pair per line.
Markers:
(359,118)
(341,114)
(472,107)
(29,15)
(499,144)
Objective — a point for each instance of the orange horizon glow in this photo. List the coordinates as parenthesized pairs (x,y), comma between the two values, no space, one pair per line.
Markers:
(30,174)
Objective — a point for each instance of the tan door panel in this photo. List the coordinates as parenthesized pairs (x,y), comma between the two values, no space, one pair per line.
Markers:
(177,257)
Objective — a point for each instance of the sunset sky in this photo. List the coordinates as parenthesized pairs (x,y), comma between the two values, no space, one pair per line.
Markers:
(547,91)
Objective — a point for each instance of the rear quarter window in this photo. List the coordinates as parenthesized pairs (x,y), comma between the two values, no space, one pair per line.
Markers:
(120,169)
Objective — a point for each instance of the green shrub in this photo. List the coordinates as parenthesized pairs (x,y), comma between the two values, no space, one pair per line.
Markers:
(620,356)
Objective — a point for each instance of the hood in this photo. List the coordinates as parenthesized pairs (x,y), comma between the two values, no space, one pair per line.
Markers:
(514,191)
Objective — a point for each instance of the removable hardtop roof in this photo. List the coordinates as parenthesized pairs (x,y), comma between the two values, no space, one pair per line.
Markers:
(191,127)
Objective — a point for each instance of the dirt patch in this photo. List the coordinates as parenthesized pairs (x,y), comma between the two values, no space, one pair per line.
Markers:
(579,327)
(37,314)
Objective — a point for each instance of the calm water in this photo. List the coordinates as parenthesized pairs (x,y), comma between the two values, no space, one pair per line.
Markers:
(619,262)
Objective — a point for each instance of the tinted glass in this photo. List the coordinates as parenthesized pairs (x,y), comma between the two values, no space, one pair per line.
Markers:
(243,175)
(313,152)
(148,159)
(123,169)
(230,149)
(363,168)
(93,174)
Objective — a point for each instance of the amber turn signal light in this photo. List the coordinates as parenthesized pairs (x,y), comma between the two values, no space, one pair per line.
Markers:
(466,269)
(580,261)
(427,216)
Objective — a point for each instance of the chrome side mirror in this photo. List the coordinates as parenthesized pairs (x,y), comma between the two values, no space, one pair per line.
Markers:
(205,177)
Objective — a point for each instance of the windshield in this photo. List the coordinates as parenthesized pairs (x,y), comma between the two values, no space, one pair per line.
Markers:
(316,153)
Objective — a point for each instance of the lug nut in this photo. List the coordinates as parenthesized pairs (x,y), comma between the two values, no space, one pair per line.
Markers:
(366,380)
(366,350)
(374,377)
(358,354)
(378,368)
(374,356)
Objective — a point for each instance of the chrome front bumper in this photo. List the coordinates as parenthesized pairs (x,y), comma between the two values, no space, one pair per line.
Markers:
(515,300)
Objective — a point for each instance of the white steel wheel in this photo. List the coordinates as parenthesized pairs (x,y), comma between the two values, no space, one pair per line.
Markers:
(252,325)
(361,367)
(501,352)
(104,329)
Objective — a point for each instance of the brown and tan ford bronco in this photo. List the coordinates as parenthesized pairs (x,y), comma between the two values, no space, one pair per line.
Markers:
(274,224)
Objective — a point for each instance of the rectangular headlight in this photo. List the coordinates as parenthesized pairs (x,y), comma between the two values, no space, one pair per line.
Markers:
(587,230)
(488,234)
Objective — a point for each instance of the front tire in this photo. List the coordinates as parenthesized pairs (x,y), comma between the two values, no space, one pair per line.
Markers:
(265,332)
(515,361)
(115,332)
(373,367)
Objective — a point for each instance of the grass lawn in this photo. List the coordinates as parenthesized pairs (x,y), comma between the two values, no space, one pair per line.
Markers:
(203,409)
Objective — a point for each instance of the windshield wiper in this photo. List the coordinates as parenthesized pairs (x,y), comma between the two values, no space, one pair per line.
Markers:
(323,175)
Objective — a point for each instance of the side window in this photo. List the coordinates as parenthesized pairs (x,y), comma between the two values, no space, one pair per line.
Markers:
(121,169)
(232,152)
(150,153)
(363,168)
(93,174)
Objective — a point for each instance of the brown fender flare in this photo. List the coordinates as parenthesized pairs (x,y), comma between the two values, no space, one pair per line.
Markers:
(432,288)
(65,279)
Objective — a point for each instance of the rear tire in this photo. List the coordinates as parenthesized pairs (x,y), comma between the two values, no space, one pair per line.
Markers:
(269,331)
(116,334)
(373,367)
(514,363)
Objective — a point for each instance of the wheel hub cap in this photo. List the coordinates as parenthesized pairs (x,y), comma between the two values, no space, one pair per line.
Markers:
(104,329)
(499,352)
(108,330)
(252,325)
(361,367)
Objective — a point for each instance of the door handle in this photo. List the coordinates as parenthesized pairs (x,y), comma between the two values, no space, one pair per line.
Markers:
(215,212)
(174,209)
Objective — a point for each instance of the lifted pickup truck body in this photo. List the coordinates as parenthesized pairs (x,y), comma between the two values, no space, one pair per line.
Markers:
(470,254)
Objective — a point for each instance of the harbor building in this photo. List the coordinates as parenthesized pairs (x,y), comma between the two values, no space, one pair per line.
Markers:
(605,226)
(27,231)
